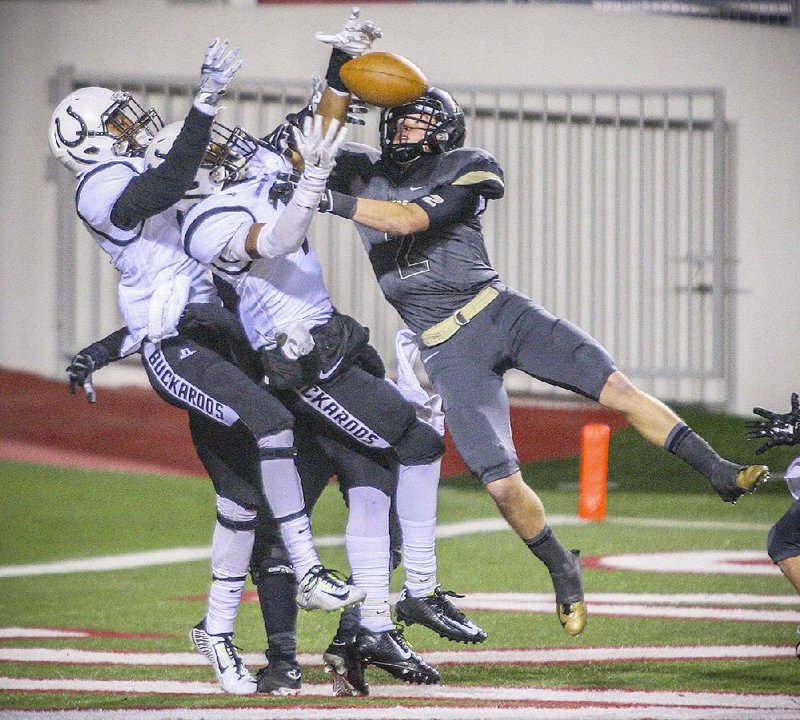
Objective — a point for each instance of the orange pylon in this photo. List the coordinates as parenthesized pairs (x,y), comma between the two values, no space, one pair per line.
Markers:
(593,485)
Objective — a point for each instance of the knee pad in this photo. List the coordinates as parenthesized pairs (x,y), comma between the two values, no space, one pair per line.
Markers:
(277,445)
(233,516)
(270,561)
(419,445)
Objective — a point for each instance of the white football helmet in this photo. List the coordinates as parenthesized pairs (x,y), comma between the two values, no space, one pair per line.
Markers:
(95,124)
(225,161)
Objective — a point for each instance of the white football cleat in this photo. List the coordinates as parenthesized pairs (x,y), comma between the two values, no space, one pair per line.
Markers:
(220,651)
(321,589)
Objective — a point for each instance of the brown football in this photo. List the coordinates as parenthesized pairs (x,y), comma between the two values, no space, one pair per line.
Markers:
(383,79)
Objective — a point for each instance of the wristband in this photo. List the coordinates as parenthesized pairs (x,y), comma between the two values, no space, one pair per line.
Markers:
(339,204)
(338,58)
(98,353)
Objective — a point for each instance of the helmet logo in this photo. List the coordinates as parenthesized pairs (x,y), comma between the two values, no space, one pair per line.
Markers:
(83,133)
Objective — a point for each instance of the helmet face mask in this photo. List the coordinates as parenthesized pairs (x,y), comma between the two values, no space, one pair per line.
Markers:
(95,124)
(225,160)
(228,153)
(436,113)
(132,125)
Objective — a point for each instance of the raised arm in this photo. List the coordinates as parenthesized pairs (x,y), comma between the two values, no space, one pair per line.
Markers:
(159,188)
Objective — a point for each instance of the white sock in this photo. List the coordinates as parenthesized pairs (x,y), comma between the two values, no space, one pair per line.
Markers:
(296,536)
(417,491)
(280,482)
(230,558)
(367,543)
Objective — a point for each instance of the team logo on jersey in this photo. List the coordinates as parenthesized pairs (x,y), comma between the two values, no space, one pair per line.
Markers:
(186,352)
(324,404)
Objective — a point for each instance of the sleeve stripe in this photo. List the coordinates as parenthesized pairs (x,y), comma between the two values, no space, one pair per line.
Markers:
(478,176)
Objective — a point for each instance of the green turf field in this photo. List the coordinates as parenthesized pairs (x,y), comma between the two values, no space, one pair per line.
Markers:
(52,515)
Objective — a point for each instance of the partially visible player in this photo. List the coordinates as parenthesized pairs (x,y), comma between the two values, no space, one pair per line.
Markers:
(783,542)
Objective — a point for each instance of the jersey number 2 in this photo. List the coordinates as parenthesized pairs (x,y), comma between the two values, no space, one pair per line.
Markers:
(406,265)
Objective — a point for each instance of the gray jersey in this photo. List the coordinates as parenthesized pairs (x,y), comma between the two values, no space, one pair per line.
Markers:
(430,275)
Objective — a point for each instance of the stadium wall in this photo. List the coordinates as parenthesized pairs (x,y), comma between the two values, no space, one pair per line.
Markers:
(485,44)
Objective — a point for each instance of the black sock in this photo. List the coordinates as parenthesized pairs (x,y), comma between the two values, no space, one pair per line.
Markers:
(349,622)
(276,594)
(693,450)
(561,564)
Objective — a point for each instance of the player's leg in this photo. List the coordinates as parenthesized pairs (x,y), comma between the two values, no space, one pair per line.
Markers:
(661,426)
(274,579)
(189,375)
(783,544)
(562,354)
(230,459)
(369,479)
(467,372)
(273,576)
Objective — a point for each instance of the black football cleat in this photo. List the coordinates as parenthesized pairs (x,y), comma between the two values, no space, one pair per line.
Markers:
(437,613)
(389,651)
(280,677)
(346,668)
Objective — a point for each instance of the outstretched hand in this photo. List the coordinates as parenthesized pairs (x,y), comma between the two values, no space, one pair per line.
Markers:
(776,428)
(219,67)
(355,38)
(318,149)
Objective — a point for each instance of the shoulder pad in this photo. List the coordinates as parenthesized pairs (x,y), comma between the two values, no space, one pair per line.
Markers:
(100,187)
(476,169)
(209,226)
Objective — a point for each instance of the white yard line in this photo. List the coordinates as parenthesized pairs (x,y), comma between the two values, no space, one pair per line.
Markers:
(469,527)
(551,712)
(532,703)
(539,656)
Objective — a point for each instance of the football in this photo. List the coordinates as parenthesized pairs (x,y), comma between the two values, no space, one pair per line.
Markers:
(383,79)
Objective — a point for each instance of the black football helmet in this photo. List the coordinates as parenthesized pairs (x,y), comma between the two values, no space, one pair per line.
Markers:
(446,127)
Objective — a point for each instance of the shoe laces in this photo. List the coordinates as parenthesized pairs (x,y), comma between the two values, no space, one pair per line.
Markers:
(233,655)
(440,600)
(397,634)
(332,577)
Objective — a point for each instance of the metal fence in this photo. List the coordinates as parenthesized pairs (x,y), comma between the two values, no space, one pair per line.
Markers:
(614,218)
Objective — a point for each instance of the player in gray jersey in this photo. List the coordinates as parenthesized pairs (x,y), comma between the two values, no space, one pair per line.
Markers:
(417,204)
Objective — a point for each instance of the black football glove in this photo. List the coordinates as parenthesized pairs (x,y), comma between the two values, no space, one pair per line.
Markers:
(778,429)
(80,371)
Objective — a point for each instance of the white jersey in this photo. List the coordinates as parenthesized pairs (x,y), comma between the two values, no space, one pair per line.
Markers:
(148,256)
(272,293)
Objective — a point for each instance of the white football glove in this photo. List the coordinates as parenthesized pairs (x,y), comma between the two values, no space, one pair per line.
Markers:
(355,38)
(219,67)
(318,150)
(295,340)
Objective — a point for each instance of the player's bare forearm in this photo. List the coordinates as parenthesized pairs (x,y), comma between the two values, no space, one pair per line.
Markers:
(390,217)
(333,106)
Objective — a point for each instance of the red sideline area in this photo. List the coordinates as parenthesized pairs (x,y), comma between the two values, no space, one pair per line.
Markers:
(133,429)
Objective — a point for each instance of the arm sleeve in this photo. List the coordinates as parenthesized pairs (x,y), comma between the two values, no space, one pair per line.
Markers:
(449,204)
(158,188)
(106,350)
